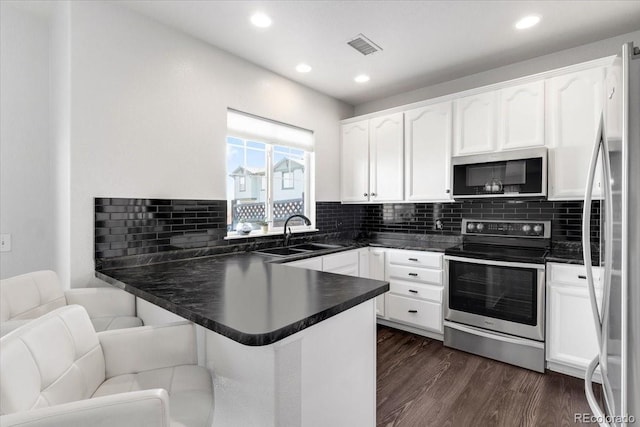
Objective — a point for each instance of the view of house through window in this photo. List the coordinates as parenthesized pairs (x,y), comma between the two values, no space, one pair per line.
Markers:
(266,183)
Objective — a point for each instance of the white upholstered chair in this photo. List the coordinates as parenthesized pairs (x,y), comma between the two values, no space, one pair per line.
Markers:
(57,371)
(31,295)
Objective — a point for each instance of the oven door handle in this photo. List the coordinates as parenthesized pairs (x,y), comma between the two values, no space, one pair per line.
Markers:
(493,335)
(492,262)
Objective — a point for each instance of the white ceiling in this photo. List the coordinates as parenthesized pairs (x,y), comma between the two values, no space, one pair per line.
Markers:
(423,42)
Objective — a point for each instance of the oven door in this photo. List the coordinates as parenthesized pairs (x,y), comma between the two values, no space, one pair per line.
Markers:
(500,296)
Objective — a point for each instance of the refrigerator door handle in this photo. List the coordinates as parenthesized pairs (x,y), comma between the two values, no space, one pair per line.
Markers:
(591,398)
(586,231)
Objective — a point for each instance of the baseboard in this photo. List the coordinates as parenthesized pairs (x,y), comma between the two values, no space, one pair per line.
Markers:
(413,330)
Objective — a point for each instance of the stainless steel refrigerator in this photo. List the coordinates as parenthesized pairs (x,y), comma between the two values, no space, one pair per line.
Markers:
(618,319)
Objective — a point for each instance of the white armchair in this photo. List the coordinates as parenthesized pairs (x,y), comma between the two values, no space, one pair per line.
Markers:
(58,371)
(31,295)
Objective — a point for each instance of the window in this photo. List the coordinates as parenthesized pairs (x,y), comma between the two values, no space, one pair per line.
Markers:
(287,180)
(270,173)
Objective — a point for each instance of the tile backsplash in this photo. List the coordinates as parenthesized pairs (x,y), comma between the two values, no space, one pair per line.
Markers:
(127,226)
(446,218)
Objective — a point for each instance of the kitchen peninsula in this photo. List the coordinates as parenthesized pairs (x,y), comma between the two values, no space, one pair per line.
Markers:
(286,346)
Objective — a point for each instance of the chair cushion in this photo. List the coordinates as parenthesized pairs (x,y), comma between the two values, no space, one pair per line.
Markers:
(189,386)
(30,295)
(116,322)
(51,360)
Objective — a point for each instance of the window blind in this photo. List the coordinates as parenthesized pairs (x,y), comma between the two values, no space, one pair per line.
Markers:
(247,126)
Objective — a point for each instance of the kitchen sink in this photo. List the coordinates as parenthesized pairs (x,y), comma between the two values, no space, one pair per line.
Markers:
(296,249)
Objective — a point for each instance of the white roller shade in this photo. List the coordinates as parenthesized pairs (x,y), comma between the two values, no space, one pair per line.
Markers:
(246,126)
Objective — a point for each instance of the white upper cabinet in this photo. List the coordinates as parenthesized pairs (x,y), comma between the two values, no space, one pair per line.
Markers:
(475,125)
(428,139)
(354,181)
(521,118)
(386,149)
(574,104)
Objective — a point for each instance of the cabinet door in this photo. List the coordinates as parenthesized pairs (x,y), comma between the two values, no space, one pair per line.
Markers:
(571,331)
(346,263)
(309,263)
(521,123)
(475,126)
(386,147)
(574,105)
(376,271)
(354,182)
(428,139)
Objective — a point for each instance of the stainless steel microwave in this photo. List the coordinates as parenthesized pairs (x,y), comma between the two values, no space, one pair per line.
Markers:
(518,173)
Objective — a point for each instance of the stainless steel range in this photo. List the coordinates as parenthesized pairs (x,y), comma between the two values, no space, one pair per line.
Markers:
(496,291)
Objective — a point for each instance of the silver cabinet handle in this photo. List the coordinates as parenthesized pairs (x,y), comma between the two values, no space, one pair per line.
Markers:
(373,194)
(366,194)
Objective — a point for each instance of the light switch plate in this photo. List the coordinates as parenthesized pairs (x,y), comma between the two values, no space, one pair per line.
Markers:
(5,242)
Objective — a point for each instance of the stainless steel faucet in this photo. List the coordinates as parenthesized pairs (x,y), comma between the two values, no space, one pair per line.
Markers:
(287,236)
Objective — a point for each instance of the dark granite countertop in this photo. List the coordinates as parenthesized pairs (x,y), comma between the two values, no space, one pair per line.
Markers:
(571,253)
(244,296)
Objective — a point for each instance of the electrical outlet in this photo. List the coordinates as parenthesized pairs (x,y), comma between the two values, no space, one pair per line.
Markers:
(5,242)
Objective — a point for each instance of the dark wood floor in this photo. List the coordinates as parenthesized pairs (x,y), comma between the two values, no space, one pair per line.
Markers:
(422,383)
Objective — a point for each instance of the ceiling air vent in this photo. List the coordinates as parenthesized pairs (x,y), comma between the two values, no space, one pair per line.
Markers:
(363,45)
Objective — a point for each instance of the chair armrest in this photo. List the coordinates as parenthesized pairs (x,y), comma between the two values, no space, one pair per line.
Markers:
(132,350)
(131,409)
(9,325)
(103,302)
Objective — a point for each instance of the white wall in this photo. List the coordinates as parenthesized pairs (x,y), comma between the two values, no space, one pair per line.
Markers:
(552,61)
(26,190)
(60,111)
(148,116)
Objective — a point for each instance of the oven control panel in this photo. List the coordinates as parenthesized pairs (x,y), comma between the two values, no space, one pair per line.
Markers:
(513,228)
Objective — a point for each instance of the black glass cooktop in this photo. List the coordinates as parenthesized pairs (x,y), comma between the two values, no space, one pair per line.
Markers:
(497,252)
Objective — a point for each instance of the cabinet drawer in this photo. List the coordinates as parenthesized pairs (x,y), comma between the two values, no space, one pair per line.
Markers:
(423,275)
(422,314)
(573,274)
(416,290)
(416,259)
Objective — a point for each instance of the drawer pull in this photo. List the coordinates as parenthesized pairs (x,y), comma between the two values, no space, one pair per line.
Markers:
(413,274)
(413,311)
(582,276)
(413,259)
(413,291)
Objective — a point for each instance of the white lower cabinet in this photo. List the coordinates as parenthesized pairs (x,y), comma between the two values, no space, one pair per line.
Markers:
(314,263)
(372,267)
(415,289)
(347,263)
(414,300)
(571,334)
(418,313)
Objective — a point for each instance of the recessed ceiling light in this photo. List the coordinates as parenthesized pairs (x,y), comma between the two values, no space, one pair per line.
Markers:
(362,78)
(527,22)
(303,68)
(261,20)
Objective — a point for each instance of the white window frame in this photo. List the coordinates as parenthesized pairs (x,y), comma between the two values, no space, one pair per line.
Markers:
(309,191)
